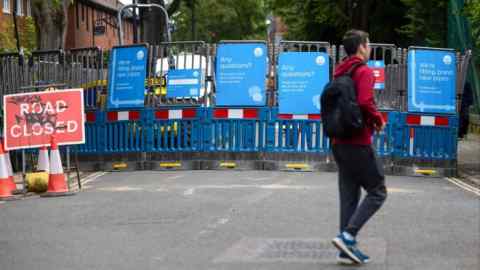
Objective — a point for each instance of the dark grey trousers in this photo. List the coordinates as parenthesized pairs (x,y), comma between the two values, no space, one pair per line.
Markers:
(358,167)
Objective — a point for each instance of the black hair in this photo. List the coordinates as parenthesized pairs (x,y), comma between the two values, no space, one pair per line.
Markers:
(353,39)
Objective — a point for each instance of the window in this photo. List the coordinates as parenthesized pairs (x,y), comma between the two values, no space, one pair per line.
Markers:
(77,15)
(6,6)
(83,13)
(19,7)
(87,18)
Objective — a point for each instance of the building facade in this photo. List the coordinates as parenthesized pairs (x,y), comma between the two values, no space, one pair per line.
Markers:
(93,23)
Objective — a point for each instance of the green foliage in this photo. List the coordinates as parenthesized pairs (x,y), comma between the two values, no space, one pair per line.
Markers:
(427,22)
(221,20)
(403,22)
(472,10)
(27,34)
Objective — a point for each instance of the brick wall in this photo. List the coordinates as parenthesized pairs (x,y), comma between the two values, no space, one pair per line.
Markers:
(81,27)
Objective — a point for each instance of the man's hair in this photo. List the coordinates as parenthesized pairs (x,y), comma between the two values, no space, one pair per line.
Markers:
(353,39)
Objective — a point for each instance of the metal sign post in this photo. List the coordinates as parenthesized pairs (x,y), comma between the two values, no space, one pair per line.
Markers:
(139,6)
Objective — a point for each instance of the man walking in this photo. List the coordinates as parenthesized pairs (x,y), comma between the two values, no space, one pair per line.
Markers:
(358,166)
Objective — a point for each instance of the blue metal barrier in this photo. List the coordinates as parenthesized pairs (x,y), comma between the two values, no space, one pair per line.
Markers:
(296,133)
(174,130)
(234,130)
(124,131)
(383,141)
(426,136)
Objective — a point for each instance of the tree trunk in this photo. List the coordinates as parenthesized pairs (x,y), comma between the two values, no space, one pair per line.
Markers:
(51,22)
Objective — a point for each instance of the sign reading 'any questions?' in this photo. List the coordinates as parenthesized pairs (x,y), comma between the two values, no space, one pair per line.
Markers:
(31,119)
(184,82)
(431,80)
(301,79)
(126,77)
(240,74)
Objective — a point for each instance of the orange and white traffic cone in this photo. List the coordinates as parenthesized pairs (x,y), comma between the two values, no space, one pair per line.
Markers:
(5,187)
(43,162)
(11,180)
(57,184)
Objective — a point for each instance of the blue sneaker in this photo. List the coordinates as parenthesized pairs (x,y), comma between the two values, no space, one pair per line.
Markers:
(349,248)
(342,258)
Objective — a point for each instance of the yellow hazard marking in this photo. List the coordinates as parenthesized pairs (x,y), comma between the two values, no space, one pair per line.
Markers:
(170,164)
(297,166)
(228,165)
(121,165)
(425,172)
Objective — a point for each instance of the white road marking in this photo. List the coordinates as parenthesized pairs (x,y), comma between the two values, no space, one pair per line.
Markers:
(463,185)
(93,177)
(189,192)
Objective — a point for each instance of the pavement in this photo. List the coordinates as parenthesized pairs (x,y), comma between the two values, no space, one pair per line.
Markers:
(235,220)
(469,159)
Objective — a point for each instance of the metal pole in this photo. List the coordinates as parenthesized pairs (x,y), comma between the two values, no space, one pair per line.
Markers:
(120,25)
(135,23)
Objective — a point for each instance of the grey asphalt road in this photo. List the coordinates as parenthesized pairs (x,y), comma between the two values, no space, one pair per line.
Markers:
(235,220)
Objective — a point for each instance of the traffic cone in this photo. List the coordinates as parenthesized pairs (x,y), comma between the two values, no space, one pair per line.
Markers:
(11,180)
(8,163)
(57,184)
(43,162)
(5,187)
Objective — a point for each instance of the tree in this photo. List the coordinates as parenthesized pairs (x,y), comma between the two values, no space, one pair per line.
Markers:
(51,22)
(402,22)
(221,20)
(472,10)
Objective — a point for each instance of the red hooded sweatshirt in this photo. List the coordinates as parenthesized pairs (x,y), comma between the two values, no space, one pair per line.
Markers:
(364,82)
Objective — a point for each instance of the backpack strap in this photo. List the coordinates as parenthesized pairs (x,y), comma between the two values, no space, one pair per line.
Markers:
(353,68)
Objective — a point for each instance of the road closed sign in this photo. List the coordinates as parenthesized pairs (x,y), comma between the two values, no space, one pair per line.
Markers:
(31,119)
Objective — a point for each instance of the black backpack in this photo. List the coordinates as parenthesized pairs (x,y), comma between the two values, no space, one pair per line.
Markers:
(341,115)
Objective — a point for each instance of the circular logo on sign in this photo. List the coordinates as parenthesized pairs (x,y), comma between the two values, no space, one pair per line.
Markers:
(257,97)
(253,90)
(320,60)
(258,52)
(195,74)
(140,55)
(447,59)
(377,63)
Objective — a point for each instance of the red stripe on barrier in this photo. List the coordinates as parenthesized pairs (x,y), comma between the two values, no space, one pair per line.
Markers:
(314,116)
(162,114)
(133,115)
(112,116)
(385,116)
(189,113)
(412,132)
(413,119)
(441,121)
(285,116)
(250,113)
(220,113)
(91,117)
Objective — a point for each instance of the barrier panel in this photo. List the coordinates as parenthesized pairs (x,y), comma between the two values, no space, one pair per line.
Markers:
(426,137)
(85,69)
(384,141)
(296,133)
(182,60)
(234,130)
(174,130)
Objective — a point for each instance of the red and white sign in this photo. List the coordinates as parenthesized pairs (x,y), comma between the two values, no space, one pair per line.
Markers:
(31,119)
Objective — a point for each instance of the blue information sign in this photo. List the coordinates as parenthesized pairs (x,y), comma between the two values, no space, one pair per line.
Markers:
(184,82)
(301,79)
(126,77)
(240,74)
(431,81)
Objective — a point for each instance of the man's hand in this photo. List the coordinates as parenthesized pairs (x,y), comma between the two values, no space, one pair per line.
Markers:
(381,126)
